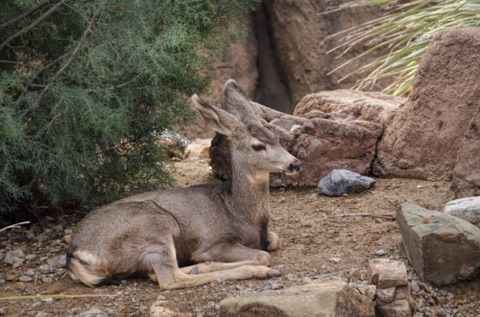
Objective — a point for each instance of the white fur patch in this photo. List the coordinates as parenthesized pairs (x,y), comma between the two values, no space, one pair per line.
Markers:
(88,268)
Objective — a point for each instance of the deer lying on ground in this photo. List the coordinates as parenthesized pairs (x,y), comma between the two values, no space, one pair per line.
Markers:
(192,236)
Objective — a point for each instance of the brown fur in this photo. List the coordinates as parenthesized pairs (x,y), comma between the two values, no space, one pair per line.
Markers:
(220,230)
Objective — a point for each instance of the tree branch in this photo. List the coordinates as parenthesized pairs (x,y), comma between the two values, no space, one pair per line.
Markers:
(80,44)
(33,24)
(3,61)
(27,13)
(68,63)
(30,82)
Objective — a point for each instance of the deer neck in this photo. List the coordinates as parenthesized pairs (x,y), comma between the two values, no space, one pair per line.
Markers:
(250,192)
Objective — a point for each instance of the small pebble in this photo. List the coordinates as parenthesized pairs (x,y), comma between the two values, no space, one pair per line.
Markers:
(380,252)
(25,279)
(336,260)
(415,287)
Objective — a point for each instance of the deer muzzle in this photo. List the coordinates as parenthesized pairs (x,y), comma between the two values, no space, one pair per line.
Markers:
(295,167)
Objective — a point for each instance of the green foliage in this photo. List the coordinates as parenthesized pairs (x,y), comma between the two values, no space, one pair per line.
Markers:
(87,86)
(406,32)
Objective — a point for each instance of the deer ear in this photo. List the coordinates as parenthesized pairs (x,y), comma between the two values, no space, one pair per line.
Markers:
(220,120)
(236,102)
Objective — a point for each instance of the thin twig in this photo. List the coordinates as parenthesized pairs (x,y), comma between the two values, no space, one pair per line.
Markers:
(50,124)
(27,13)
(56,296)
(32,25)
(386,217)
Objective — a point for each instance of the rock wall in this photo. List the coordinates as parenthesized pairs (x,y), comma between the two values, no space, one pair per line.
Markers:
(284,55)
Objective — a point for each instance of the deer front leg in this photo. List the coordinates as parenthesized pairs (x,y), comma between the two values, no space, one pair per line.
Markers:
(169,276)
(212,266)
(227,256)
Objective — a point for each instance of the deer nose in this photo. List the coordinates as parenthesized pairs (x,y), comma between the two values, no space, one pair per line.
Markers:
(295,166)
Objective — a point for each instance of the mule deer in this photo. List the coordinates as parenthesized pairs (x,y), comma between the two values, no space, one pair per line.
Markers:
(192,236)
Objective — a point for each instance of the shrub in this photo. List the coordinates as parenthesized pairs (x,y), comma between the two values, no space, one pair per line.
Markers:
(87,86)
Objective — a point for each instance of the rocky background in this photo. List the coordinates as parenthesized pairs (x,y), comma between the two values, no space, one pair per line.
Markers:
(284,55)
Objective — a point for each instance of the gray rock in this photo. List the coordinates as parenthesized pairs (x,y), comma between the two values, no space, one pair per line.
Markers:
(340,182)
(58,261)
(443,249)
(467,208)
(46,269)
(14,258)
(331,298)
(415,287)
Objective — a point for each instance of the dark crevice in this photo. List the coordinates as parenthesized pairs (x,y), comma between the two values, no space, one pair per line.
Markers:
(272,88)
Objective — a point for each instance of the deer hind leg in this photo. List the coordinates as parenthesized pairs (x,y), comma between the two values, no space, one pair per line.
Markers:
(275,242)
(89,269)
(170,276)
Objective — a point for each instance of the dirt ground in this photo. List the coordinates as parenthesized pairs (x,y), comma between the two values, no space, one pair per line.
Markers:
(322,238)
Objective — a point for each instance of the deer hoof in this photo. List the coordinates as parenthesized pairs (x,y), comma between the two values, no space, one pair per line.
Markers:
(273,273)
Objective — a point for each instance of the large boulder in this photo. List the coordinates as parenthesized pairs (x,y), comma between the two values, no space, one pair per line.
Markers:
(435,134)
(331,298)
(323,145)
(466,174)
(443,249)
(343,104)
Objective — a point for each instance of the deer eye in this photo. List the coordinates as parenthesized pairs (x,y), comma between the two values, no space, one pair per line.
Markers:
(258,147)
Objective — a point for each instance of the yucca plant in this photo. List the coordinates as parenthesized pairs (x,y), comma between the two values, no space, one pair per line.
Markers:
(406,33)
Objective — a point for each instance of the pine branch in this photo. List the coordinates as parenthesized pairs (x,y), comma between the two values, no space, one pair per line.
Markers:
(25,14)
(33,24)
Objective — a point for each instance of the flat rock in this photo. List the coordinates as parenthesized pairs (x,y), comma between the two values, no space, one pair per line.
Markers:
(443,249)
(331,298)
(340,181)
(467,208)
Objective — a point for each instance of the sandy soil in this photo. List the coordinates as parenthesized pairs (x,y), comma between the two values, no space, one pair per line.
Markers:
(322,237)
